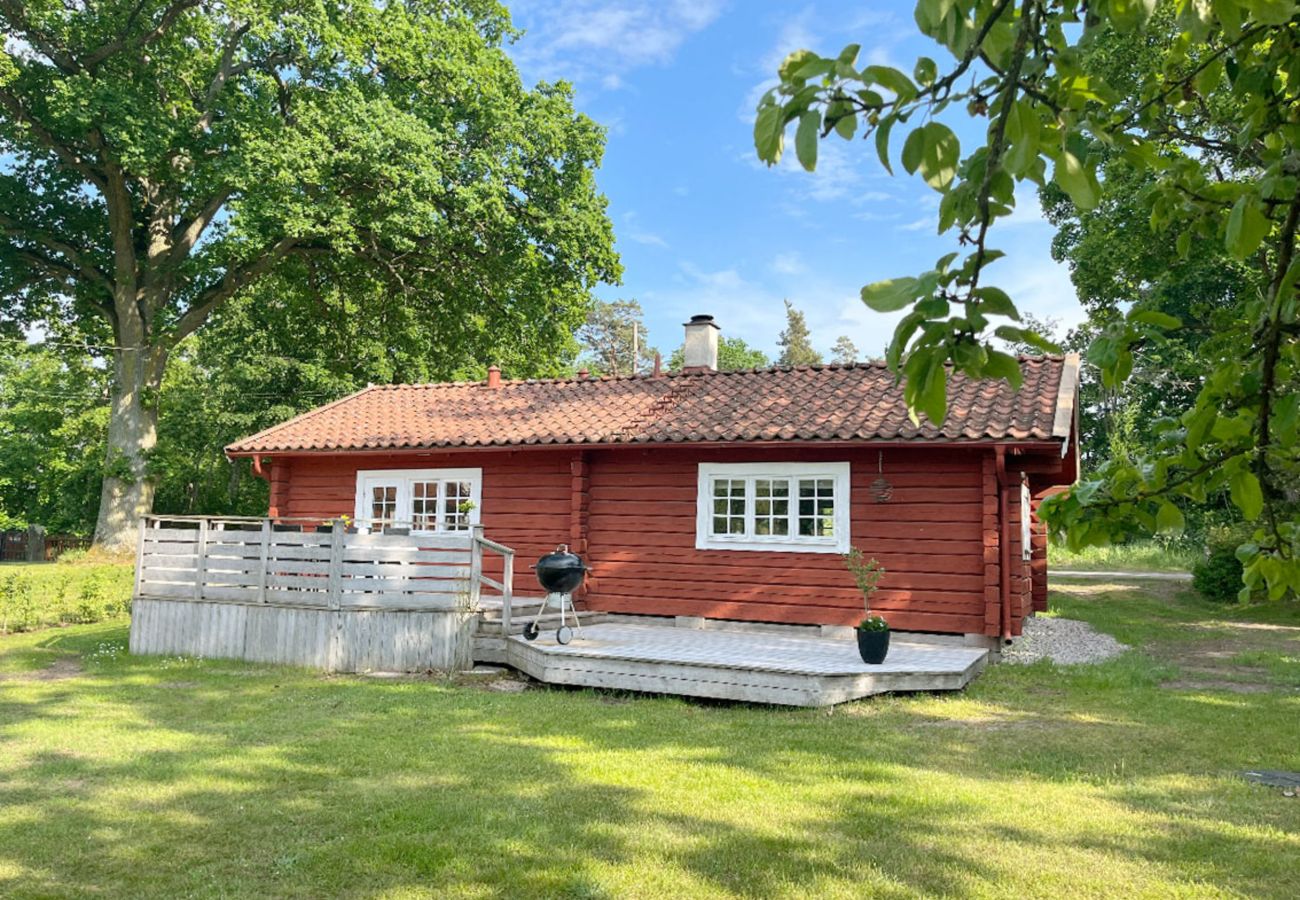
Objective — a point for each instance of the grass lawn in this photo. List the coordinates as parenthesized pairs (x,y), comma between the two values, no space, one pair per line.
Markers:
(166,777)
(1137,557)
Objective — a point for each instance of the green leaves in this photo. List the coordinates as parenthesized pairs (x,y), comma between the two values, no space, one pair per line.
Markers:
(1169,519)
(891,294)
(933,150)
(769,133)
(1247,226)
(926,385)
(1193,143)
(1246,493)
(1077,180)
(805,139)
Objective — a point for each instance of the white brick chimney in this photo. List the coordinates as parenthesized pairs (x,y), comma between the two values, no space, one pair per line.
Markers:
(701,350)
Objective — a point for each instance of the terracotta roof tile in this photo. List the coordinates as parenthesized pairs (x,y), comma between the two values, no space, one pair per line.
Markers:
(809,403)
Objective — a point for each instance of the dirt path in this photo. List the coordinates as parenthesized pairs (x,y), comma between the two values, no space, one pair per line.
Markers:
(1077,573)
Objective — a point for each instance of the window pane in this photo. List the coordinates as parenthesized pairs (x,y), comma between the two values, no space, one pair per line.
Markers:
(456,506)
(772,506)
(728,506)
(424,506)
(383,506)
(816,507)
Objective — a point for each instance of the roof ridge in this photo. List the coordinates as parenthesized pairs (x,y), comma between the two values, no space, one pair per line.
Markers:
(695,373)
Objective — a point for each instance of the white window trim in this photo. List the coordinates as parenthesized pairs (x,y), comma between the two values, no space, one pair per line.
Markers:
(1026,522)
(402,479)
(704,540)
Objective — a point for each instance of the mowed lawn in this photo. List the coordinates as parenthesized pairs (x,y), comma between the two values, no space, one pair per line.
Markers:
(168,777)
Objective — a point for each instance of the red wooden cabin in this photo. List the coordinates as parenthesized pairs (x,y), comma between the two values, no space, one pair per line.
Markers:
(725,495)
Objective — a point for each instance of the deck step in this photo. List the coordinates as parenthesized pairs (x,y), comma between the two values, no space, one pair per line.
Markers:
(547,621)
(732,665)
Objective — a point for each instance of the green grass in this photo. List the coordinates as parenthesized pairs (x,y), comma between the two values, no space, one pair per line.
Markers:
(1138,557)
(124,776)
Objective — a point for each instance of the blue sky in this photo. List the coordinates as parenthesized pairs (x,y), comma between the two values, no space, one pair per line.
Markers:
(702,226)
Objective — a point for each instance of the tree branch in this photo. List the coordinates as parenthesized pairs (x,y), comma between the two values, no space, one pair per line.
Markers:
(218,293)
(70,157)
(187,232)
(79,259)
(124,41)
(43,42)
(225,68)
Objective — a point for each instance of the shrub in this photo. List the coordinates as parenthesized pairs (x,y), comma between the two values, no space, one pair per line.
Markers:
(17,608)
(93,605)
(1218,576)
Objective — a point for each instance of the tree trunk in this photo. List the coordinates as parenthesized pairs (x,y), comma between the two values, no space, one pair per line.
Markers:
(128,489)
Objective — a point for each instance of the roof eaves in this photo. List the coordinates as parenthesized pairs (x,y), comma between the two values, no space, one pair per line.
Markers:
(1066,394)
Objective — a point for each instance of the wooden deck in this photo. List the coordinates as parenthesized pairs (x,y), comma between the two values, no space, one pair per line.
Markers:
(754,666)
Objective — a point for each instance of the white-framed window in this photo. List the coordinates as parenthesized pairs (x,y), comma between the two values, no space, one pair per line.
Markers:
(801,507)
(427,501)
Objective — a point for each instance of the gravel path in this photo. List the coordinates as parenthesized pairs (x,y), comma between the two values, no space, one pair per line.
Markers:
(1084,573)
(1063,641)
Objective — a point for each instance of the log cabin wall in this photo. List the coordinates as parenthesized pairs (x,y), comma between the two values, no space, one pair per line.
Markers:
(635,508)
(525,503)
(928,536)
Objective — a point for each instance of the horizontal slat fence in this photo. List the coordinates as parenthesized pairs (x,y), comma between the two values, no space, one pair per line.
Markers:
(259,563)
(303,592)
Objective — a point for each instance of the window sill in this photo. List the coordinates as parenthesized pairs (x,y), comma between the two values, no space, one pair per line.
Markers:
(773,546)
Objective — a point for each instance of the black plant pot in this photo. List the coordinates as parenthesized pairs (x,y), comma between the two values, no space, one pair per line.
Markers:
(873,646)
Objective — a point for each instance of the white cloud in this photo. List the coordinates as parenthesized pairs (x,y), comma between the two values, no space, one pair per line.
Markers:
(1038,284)
(600,41)
(788,264)
(646,237)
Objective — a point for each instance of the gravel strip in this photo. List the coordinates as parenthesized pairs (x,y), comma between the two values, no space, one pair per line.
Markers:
(1063,641)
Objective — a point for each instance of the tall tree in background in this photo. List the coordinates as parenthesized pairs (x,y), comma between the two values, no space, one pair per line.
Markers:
(159,157)
(795,341)
(733,354)
(614,338)
(1211,128)
(53,420)
(845,351)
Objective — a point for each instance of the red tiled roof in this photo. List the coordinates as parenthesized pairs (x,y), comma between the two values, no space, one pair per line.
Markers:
(806,403)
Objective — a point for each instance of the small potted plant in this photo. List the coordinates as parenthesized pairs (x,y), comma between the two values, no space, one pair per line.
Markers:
(873,631)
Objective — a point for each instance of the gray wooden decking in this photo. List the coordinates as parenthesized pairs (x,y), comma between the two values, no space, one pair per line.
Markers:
(760,667)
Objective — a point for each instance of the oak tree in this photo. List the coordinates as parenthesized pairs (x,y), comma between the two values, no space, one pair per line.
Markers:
(160,157)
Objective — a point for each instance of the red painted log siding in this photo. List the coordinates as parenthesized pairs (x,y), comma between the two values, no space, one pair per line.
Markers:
(1021,570)
(937,537)
(928,537)
(526,496)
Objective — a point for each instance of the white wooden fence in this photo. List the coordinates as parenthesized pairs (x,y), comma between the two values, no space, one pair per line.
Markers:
(269,590)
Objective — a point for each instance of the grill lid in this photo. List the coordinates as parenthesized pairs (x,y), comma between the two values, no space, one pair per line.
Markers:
(560,572)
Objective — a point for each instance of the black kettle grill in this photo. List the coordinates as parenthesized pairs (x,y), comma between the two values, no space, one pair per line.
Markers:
(559,574)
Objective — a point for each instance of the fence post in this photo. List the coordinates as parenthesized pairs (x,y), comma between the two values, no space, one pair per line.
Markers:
(201,560)
(139,560)
(263,560)
(336,566)
(507,592)
(475,565)
(35,543)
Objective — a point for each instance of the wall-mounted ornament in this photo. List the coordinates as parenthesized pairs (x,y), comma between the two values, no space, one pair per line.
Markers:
(881,489)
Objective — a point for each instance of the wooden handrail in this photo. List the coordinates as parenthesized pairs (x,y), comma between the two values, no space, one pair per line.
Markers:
(505,586)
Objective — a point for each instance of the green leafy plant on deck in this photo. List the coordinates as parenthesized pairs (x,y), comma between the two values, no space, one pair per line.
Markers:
(866,574)
(1211,120)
